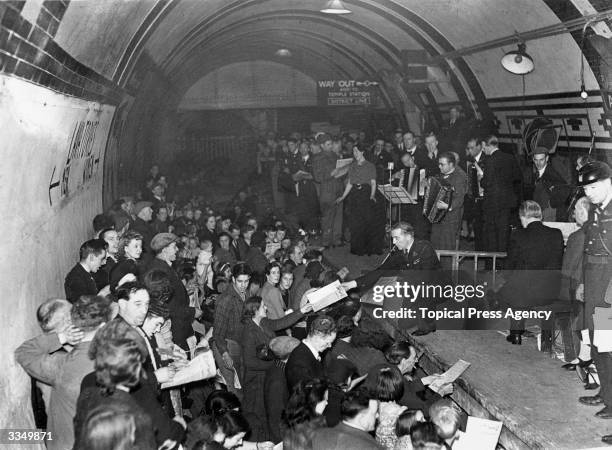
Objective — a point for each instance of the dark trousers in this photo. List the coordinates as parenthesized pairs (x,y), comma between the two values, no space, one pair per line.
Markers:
(477,225)
(603,363)
(331,221)
(365,226)
(496,229)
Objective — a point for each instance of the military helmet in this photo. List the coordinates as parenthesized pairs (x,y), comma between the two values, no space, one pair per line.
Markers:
(592,172)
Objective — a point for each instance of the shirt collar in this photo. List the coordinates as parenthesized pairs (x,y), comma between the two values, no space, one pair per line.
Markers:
(313,350)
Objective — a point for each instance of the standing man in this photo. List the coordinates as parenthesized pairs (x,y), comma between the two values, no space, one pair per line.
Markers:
(544,181)
(431,144)
(498,179)
(454,131)
(181,313)
(473,200)
(102,275)
(419,154)
(445,234)
(79,280)
(380,157)
(329,190)
(227,332)
(596,180)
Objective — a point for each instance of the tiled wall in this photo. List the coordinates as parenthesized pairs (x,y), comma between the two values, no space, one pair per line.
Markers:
(28,51)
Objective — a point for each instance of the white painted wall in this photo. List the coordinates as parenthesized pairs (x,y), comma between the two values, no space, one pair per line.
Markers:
(39,239)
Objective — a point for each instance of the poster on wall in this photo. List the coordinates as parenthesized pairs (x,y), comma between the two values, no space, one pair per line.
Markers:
(347,93)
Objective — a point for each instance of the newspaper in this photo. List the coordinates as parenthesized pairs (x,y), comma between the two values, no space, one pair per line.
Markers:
(480,434)
(327,295)
(199,368)
(449,376)
(271,247)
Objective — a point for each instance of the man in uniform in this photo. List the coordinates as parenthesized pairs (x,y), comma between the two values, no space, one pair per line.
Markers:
(411,256)
(596,180)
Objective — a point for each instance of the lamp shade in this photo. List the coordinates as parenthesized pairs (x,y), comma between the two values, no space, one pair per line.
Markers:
(335,7)
(517,61)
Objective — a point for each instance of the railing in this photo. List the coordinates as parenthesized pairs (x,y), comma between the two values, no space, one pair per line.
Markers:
(458,255)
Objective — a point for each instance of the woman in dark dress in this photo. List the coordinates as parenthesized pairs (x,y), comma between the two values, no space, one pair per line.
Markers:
(130,249)
(257,333)
(365,207)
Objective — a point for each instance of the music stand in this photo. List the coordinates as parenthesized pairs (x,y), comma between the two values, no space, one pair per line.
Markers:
(395,195)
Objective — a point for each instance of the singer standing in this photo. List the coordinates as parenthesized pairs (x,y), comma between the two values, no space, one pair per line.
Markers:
(365,207)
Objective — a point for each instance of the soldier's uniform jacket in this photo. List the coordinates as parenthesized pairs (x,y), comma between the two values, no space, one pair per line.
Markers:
(598,242)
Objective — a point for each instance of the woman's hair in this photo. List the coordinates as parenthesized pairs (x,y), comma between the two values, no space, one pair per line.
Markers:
(271,266)
(250,307)
(406,421)
(158,285)
(219,402)
(302,402)
(398,351)
(232,422)
(425,437)
(345,327)
(110,426)
(370,334)
(118,352)
(389,384)
(201,430)
(127,237)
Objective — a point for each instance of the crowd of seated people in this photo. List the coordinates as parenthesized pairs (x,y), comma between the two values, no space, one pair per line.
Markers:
(159,277)
(155,279)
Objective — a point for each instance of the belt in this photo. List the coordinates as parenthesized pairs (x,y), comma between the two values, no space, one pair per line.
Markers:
(361,186)
(599,259)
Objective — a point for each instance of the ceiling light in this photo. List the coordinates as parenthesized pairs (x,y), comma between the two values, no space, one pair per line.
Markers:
(583,93)
(283,53)
(517,61)
(335,7)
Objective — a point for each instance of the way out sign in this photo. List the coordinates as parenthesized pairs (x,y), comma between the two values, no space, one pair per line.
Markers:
(347,92)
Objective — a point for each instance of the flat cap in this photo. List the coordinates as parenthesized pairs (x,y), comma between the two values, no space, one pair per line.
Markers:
(140,206)
(162,240)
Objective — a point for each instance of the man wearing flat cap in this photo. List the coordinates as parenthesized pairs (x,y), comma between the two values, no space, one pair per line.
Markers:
(142,224)
(550,190)
(596,180)
(181,314)
(276,392)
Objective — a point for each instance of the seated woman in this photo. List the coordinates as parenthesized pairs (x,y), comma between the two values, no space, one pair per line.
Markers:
(109,427)
(119,351)
(130,249)
(389,389)
(303,414)
(225,431)
(257,333)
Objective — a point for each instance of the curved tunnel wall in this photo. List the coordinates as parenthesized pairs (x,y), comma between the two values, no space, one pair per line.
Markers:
(89,91)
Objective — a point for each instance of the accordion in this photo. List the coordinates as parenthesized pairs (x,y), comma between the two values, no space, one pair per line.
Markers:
(437,190)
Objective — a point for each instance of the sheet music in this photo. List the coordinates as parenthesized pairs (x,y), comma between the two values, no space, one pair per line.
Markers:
(450,375)
(480,434)
(340,163)
(395,195)
(327,295)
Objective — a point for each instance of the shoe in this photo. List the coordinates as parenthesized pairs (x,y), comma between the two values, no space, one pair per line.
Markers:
(586,363)
(607,439)
(591,386)
(605,413)
(514,339)
(422,332)
(592,400)
(569,366)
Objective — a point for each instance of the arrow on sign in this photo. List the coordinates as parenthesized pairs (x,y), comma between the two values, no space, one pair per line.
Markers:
(367,83)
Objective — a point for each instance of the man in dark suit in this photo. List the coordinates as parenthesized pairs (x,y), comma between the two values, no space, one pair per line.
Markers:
(454,131)
(79,280)
(498,179)
(547,185)
(419,154)
(535,256)
(473,200)
(414,258)
(359,413)
(276,393)
(181,314)
(102,276)
(304,363)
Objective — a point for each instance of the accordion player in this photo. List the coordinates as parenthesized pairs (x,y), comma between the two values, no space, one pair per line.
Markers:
(437,190)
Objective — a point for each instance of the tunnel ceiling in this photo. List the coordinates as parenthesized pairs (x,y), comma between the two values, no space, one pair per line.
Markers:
(187,39)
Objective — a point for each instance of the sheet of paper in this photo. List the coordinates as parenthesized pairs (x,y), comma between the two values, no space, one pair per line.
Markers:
(327,295)
(480,434)
(271,247)
(199,368)
(602,336)
(450,375)
(191,344)
(343,162)
(368,297)
(278,446)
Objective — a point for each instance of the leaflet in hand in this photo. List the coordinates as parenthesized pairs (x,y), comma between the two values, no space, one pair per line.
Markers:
(327,295)
(199,368)
(480,434)
(449,376)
